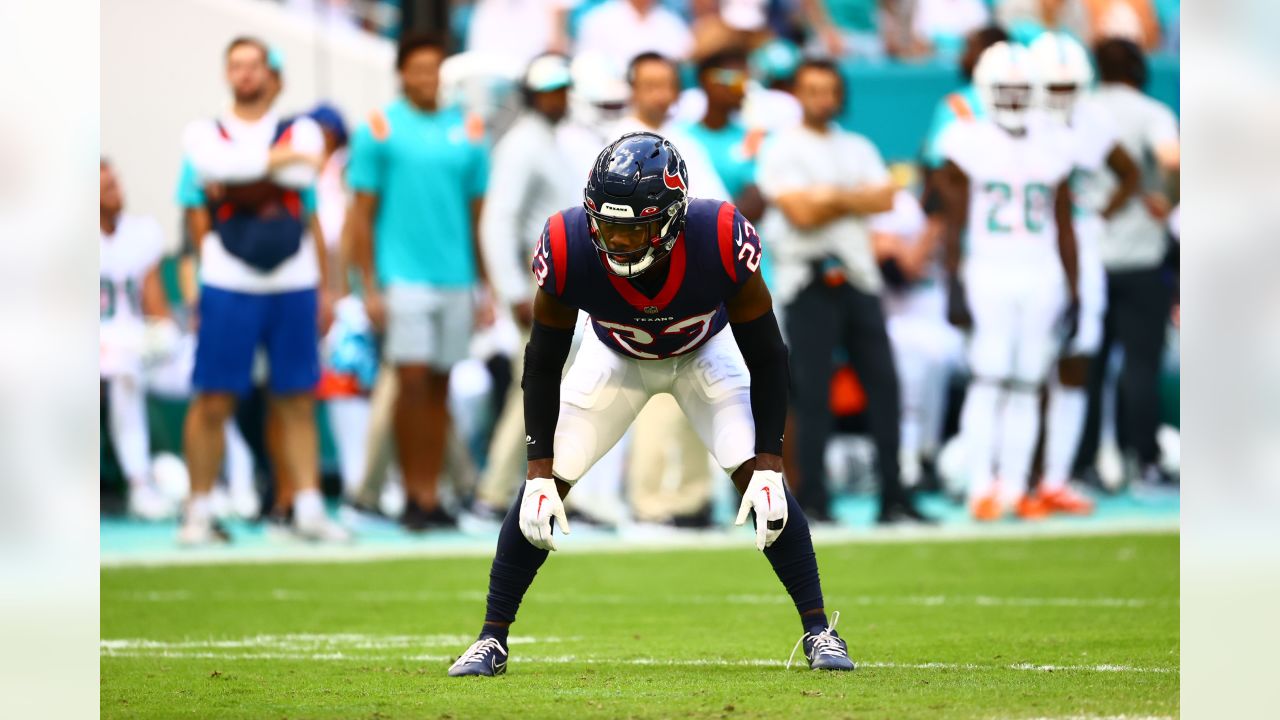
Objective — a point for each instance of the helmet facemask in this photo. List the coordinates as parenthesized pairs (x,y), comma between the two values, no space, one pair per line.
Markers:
(631,246)
(1060,100)
(1009,106)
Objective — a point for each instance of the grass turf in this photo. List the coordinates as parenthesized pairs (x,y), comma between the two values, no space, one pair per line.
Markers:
(1025,628)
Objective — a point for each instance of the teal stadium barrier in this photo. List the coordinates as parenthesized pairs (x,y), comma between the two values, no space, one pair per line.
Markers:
(892,103)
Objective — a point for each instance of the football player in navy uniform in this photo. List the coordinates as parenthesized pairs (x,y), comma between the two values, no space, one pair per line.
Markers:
(661,276)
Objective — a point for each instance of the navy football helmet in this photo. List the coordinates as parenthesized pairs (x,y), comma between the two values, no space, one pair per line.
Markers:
(636,200)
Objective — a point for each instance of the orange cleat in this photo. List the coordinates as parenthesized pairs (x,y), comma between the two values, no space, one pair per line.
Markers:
(1065,500)
(986,508)
(1030,507)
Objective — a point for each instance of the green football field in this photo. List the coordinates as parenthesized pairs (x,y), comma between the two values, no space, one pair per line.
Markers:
(1040,628)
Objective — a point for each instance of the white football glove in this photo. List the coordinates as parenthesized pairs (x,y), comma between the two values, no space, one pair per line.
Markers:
(766,495)
(540,503)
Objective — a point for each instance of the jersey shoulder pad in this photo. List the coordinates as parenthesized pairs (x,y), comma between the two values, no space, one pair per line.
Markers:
(738,242)
(551,256)
(379,125)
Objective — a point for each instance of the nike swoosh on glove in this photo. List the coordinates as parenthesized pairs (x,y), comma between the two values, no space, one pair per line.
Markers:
(765,495)
(540,503)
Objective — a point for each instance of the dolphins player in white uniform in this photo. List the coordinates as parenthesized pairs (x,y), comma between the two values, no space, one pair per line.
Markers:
(1006,186)
(131,302)
(1065,74)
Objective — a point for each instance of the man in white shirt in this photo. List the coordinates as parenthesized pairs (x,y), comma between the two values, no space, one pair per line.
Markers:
(823,183)
(260,267)
(622,29)
(1133,249)
(530,180)
(519,30)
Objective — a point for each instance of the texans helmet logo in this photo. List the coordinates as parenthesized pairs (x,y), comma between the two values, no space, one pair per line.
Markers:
(674,182)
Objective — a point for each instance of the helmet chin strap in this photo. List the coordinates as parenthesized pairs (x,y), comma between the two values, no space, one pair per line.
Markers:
(628,270)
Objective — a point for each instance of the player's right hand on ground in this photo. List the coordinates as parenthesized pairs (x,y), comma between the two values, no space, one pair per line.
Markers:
(958,305)
(540,503)
(765,495)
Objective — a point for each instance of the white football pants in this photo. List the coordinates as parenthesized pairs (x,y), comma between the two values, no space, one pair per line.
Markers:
(1013,344)
(604,391)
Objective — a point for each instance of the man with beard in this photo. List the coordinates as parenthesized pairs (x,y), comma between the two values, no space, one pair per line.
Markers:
(260,266)
(823,182)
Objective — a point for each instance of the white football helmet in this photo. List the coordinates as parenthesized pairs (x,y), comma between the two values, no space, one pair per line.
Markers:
(1063,69)
(599,94)
(1005,80)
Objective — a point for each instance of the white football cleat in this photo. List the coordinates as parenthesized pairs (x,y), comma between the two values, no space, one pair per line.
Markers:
(148,503)
(198,533)
(320,528)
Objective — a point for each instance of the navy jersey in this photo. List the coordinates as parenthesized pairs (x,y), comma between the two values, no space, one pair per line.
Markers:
(716,253)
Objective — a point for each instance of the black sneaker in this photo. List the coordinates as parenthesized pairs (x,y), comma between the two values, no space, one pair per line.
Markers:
(903,512)
(696,520)
(825,650)
(414,518)
(439,519)
(819,515)
(486,657)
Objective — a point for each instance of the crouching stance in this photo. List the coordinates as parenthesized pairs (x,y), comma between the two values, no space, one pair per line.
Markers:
(661,275)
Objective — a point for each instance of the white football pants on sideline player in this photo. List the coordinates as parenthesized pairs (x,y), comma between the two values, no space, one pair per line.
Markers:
(1068,405)
(1015,316)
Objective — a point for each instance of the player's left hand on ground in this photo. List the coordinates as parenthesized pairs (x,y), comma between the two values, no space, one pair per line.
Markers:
(765,495)
(540,503)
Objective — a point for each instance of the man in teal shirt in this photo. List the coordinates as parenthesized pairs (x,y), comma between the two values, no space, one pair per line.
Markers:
(419,173)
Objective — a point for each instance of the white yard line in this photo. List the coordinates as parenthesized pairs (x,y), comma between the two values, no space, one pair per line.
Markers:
(605,543)
(779,598)
(340,647)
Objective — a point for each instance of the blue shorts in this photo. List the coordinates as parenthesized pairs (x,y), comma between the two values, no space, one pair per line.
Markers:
(234,324)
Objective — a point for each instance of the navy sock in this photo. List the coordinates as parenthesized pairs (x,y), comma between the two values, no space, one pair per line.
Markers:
(515,564)
(498,631)
(813,622)
(795,564)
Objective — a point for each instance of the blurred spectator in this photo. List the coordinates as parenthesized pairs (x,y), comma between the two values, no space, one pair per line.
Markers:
(419,172)
(655,82)
(1026,19)
(260,270)
(1133,249)
(622,29)
(823,183)
(519,30)
(332,197)
(597,101)
(530,183)
(1125,19)
(945,24)
(728,25)
(926,349)
(731,149)
(130,248)
(850,28)
(772,107)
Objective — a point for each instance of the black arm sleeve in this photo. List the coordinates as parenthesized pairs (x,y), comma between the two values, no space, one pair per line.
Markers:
(766,355)
(544,358)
